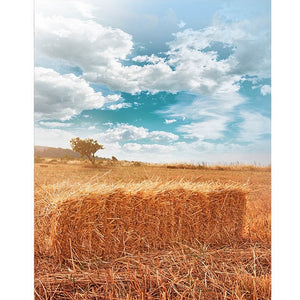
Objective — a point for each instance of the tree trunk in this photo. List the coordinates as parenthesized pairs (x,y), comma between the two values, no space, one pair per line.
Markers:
(90,158)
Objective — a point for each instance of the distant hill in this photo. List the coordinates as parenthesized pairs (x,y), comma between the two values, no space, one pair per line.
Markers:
(54,152)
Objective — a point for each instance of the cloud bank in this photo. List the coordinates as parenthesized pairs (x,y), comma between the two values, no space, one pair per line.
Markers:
(188,65)
(63,96)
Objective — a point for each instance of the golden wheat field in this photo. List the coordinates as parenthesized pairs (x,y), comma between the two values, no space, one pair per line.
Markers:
(141,231)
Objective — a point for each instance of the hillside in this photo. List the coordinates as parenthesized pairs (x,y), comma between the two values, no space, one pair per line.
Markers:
(54,152)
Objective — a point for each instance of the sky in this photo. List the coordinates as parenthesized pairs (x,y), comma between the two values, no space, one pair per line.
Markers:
(156,81)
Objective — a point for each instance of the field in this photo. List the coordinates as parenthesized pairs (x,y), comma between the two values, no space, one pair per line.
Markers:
(141,231)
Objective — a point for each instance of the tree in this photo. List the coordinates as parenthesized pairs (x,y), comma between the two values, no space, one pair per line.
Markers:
(86,147)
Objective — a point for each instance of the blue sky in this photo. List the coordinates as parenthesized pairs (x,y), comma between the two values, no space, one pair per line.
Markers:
(157,81)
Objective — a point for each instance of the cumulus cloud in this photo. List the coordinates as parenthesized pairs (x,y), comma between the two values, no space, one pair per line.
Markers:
(185,69)
(148,59)
(133,79)
(170,121)
(126,132)
(55,124)
(119,106)
(123,132)
(113,98)
(250,42)
(83,43)
(63,96)
(188,65)
(265,90)
(208,74)
(162,136)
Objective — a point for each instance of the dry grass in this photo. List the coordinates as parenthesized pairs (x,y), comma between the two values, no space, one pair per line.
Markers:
(151,233)
(231,167)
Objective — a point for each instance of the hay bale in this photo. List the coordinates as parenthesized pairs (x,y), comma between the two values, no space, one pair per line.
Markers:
(123,221)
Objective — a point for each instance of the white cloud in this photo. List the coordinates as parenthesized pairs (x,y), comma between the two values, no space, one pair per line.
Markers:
(126,14)
(86,44)
(201,107)
(170,121)
(141,152)
(210,116)
(133,79)
(123,132)
(193,70)
(63,96)
(132,147)
(253,127)
(162,136)
(55,124)
(181,24)
(52,137)
(148,59)
(98,51)
(126,132)
(212,128)
(84,8)
(265,90)
(110,124)
(113,98)
(149,148)
(250,42)
(119,106)
(91,127)
(207,74)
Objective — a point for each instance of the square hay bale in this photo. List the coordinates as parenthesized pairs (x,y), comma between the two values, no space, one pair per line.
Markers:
(106,224)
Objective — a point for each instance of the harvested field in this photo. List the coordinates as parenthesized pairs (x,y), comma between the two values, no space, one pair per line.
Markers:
(205,236)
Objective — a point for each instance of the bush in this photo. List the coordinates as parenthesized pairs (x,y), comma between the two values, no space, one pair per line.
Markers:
(38,159)
(67,157)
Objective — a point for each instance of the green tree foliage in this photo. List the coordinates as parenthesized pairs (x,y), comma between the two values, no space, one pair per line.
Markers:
(86,147)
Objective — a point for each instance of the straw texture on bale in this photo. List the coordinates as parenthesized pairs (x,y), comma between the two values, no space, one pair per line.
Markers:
(111,223)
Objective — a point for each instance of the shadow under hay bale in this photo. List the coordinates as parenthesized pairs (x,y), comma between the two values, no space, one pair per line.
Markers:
(118,223)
